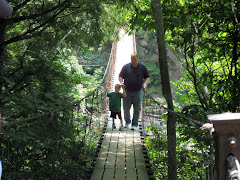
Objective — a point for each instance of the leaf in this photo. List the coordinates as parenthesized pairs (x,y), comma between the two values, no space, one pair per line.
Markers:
(164,116)
(49,95)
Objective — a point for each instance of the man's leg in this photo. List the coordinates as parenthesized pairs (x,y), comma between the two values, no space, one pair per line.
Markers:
(126,108)
(137,103)
(121,127)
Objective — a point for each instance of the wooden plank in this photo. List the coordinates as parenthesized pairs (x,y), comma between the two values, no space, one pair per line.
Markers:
(129,146)
(103,152)
(110,163)
(108,130)
(106,140)
(97,174)
(142,173)
(137,140)
(101,159)
(113,146)
(129,137)
(120,161)
(108,174)
(121,143)
(136,135)
(100,163)
(130,161)
(122,158)
(140,161)
(109,125)
(111,158)
(131,174)
(120,174)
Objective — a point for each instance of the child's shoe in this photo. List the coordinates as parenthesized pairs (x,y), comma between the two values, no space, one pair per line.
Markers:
(121,127)
(114,126)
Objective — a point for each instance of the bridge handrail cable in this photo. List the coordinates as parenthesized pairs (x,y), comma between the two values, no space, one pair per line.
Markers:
(190,120)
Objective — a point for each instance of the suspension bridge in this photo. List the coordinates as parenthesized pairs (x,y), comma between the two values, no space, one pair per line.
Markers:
(120,154)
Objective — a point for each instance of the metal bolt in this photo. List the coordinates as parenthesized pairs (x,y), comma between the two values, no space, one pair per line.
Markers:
(232,142)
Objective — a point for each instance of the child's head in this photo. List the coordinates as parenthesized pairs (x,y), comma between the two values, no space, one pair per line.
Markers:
(117,88)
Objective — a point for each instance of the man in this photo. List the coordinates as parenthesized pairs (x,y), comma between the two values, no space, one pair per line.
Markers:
(132,77)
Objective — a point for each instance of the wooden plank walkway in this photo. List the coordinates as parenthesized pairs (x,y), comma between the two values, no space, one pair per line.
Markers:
(121,156)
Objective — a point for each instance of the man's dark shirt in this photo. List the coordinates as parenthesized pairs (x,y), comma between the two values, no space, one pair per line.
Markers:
(133,76)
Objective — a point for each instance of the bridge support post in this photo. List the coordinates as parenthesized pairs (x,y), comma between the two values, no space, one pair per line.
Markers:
(227,129)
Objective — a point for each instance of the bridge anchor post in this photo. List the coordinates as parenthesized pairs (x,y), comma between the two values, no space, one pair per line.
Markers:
(227,129)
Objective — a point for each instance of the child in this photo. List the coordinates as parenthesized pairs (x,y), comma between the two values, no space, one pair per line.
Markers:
(115,103)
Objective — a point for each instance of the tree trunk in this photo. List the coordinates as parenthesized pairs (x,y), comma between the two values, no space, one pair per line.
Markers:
(2,33)
(166,90)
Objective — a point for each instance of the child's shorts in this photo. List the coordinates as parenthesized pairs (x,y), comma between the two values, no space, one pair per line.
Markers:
(114,114)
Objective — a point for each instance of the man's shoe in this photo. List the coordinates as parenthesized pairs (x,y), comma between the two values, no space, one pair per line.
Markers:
(114,126)
(134,128)
(126,125)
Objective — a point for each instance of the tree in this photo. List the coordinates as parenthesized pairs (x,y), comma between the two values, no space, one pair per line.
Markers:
(210,44)
(38,40)
(166,90)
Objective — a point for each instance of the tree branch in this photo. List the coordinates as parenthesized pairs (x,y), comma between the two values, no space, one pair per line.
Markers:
(25,35)
(34,16)
(20,5)
(21,63)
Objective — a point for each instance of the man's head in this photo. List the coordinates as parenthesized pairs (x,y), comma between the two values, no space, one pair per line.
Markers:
(117,88)
(134,60)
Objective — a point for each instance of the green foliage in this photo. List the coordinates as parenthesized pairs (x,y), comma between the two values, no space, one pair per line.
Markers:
(41,43)
(157,151)
(39,69)
(208,40)
(155,74)
(140,16)
(56,147)
(210,51)
(195,158)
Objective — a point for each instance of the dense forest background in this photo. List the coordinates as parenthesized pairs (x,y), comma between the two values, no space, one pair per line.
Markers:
(53,52)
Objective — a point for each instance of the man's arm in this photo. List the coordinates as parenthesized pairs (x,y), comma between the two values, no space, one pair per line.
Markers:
(121,81)
(124,92)
(145,83)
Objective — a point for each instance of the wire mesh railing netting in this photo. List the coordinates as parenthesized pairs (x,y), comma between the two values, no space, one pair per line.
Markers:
(54,146)
(195,160)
